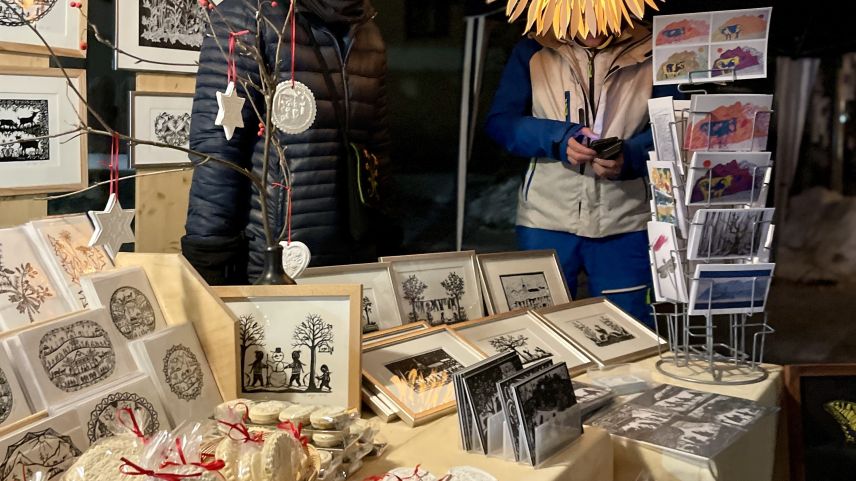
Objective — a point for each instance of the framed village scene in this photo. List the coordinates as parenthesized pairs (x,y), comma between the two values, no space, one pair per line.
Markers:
(522,280)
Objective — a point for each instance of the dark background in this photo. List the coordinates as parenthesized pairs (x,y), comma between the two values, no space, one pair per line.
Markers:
(827,456)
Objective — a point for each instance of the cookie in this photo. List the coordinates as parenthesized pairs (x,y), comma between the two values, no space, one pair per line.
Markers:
(297,414)
(100,461)
(281,457)
(362,428)
(267,412)
(325,440)
(193,472)
(328,418)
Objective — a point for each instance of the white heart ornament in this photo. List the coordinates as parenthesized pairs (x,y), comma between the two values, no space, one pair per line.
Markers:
(295,258)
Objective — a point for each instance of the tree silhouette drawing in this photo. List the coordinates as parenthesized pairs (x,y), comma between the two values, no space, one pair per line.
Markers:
(367,309)
(252,333)
(317,336)
(454,285)
(413,292)
(508,342)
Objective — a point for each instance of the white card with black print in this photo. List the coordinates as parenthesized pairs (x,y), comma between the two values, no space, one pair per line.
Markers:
(185,382)
(70,358)
(128,297)
(27,291)
(64,242)
(51,445)
(13,402)
(121,408)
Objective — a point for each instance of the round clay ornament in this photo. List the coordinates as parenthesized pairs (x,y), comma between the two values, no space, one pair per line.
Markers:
(294,108)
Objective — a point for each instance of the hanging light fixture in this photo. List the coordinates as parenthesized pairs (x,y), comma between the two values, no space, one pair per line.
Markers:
(576,18)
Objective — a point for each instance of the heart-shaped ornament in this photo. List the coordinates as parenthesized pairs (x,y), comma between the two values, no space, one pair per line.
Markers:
(295,258)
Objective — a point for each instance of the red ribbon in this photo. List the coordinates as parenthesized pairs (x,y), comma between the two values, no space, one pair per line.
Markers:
(242,430)
(134,427)
(246,415)
(232,68)
(141,471)
(415,475)
(215,465)
(296,431)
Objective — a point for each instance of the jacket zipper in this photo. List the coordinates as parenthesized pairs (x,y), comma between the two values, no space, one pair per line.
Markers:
(344,62)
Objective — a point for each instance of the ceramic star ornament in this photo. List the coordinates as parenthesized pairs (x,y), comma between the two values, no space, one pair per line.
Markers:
(230,107)
(112,226)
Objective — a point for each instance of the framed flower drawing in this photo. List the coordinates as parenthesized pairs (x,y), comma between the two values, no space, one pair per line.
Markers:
(163,118)
(603,331)
(62,26)
(378,309)
(298,343)
(36,104)
(440,288)
(522,280)
(129,299)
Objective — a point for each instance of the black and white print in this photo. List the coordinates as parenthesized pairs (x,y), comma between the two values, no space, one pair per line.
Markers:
(183,373)
(368,306)
(7,400)
(22,122)
(77,355)
(132,312)
(426,371)
(172,128)
(521,342)
(33,11)
(528,291)
(45,451)
(105,416)
(172,24)
(701,438)
(673,398)
(506,398)
(602,330)
(438,304)
(480,385)
(731,410)
(729,233)
(632,421)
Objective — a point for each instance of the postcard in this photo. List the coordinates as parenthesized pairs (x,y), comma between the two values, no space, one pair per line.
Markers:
(667,199)
(730,288)
(729,233)
(667,266)
(720,178)
(729,122)
(664,128)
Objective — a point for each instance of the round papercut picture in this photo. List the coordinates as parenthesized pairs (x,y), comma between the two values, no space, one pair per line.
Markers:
(6,400)
(132,312)
(77,355)
(104,420)
(16,14)
(45,451)
(183,372)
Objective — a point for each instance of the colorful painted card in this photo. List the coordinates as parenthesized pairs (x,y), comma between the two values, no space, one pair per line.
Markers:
(667,199)
(727,178)
(727,122)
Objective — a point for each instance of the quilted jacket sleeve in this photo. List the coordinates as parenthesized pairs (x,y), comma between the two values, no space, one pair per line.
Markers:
(219,201)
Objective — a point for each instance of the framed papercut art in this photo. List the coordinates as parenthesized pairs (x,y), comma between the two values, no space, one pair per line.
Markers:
(34,105)
(129,299)
(525,334)
(298,343)
(522,280)
(408,328)
(440,288)
(378,308)
(415,371)
(62,26)
(163,118)
(603,331)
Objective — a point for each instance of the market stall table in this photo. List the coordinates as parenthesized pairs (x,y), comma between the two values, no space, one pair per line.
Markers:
(436,447)
(750,458)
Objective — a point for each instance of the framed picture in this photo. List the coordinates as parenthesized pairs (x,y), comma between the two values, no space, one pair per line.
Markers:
(727,178)
(395,331)
(62,27)
(730,288)
(129,299)
(820,403)
(415,371)
(604,332)
(36,103)
(729,233)
(164,118)
(298,343)
(440,288)
(522,280)
(166,31)
(527,335)
(378,308)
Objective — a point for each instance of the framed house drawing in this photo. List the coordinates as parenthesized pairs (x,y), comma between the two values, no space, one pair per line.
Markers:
(522,280)
(163,118)
(298,343)
(62,26)
(36,103)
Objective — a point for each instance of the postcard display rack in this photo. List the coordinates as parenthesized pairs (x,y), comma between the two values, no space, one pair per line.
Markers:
(691,320)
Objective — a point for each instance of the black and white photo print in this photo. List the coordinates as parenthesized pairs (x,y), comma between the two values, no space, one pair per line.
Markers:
(171,24)
(705,439)
(479,382)
(49,446)
(733,411)
(23,122)
(425,371)
(529,291)
(506,399)
(128,297)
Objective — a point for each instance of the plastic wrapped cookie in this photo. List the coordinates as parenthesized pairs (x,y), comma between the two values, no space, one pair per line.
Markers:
(297,414)
(469,473)
(267,412)
(102,460)
(195,473)
(329,418)
(363,429)
(419,473)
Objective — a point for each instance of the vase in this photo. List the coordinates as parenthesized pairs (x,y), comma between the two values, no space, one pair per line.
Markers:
(274,273)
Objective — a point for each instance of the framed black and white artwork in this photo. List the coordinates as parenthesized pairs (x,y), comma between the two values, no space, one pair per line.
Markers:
(70,358)
(298,343)
(62,26)
(440,288)
(174,357)
(35,104)
(401,330)
(525,334)
(604,332)
(378,308)
(129,299)
(50,446)
(166,34)
(522,280)
(162,118)
(13,402)
(28,293)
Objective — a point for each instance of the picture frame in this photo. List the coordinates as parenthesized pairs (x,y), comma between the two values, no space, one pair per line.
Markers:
(399,368)
(626,340)
(421,301)
(62,27)
(394,332)
(730,288)
(142,31)
(378,307)
(44,165)
(161,117)
(817,438)
(514,331)
(13,402)
(319,321)
(508,280)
